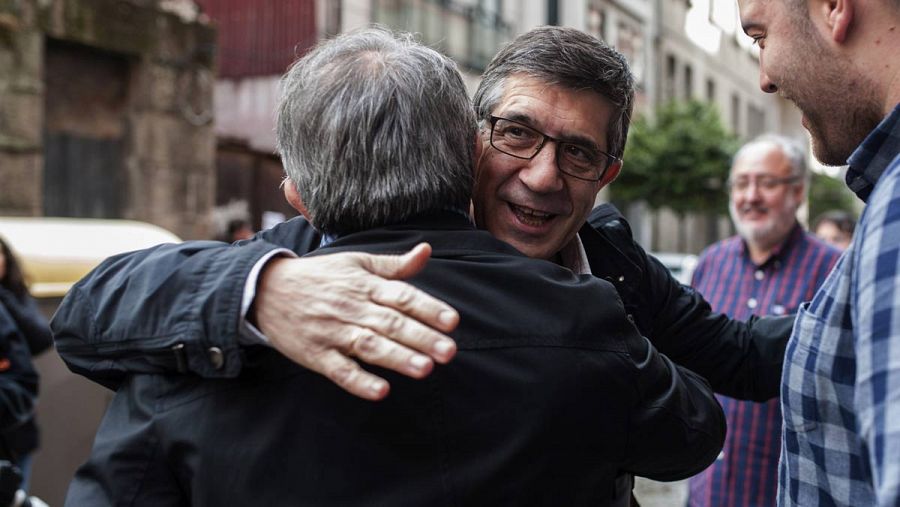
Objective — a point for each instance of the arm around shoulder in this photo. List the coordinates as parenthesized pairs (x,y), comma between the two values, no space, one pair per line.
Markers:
(158,310)
(677,427)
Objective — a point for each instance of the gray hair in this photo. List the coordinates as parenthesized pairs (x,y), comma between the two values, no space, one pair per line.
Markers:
(791,149)
(373,128)
(566,57)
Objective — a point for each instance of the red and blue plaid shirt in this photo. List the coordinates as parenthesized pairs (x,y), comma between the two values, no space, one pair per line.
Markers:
(746,473)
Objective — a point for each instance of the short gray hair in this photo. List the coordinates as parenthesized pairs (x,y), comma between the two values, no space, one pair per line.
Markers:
(566,57)
(373,128)
(791,149)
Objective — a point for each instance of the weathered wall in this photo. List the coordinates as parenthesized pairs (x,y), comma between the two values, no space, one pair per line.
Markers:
(162,123)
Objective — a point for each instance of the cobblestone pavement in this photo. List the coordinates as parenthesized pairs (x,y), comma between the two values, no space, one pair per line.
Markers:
(660,494)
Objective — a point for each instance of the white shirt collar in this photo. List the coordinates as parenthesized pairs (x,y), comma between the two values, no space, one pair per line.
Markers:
(574,257)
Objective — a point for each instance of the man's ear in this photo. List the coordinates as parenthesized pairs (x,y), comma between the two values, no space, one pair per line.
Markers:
(837,16)
(611,173)
(293,197)
(478,153)
(479,146)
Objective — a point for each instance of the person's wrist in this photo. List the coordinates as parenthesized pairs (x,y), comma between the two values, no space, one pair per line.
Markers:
(263,283)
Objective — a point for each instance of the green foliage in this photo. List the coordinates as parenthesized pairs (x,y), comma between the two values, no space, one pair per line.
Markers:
(827,193)
(680,160)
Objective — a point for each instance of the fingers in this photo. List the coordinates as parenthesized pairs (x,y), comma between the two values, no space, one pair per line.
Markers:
(404,329)
(415,303)
(319,311)
(347,374)
(378,350)
(398,266)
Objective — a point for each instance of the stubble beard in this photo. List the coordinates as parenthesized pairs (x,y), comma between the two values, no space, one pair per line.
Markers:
(834,97)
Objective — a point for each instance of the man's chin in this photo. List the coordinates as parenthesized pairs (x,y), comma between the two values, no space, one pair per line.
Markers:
(532,250)
(826,152)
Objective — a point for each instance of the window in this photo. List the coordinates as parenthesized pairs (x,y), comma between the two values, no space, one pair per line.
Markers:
(688,82)
(671,69)
(735,113)
(631,44)
(710,90)
(596,21)
(469,32)
(756,120)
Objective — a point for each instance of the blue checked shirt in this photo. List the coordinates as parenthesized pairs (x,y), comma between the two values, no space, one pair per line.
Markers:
(841,382)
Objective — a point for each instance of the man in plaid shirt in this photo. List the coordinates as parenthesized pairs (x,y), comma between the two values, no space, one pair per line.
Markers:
(839,62)
(769,268)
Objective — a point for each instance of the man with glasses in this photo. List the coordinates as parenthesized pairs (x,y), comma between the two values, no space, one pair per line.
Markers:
(769,268)
(562,101)
(553,397)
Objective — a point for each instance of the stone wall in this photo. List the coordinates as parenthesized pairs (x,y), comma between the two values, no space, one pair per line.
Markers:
(160,124)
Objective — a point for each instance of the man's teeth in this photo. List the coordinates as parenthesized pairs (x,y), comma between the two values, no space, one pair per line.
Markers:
(532,213)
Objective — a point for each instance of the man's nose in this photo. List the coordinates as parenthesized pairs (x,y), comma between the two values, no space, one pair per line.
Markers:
(765,84)
(751,192)
(541,175)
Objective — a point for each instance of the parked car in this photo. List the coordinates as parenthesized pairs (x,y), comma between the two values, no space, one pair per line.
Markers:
(681,265)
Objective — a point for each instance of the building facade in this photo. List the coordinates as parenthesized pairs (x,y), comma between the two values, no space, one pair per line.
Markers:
(106,112)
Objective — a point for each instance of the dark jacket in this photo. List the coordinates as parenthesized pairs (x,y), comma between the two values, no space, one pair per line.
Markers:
(553,394)
(148,311)
(740,359)
(18,391)
(28,318)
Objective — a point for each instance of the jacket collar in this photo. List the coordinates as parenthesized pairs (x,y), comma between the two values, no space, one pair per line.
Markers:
(449,232)
(608,261)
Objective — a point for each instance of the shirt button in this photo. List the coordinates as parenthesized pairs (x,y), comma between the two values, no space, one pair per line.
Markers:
(216,357)
(759,275)
(751,303)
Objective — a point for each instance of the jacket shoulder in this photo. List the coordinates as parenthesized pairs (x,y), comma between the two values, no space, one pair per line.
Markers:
(296,234)
(607,215)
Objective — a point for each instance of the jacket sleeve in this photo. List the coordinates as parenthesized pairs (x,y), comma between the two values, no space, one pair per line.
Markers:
(156,310)
(740,359)
(170,308)
(18,379)
(127,465)
(30,321)
(677,428)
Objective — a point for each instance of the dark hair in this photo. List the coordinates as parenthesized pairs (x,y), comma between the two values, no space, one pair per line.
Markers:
(841,219)
(373,128)
(13,280)
(566,57)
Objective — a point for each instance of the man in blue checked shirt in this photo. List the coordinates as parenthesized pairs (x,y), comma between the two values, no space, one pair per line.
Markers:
(839,62)
(769,268)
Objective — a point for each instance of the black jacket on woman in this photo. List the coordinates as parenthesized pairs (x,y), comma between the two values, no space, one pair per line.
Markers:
(18,389)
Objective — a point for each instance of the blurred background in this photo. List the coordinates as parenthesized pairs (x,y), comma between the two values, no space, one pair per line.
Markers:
(161,112)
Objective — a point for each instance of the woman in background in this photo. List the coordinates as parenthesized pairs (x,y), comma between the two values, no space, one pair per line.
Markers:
(24,332)
(835,227)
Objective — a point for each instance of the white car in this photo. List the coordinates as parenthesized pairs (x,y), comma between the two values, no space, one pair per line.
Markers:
(681,265)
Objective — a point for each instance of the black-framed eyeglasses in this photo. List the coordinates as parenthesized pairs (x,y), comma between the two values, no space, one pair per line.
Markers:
(764,182)
(522,141)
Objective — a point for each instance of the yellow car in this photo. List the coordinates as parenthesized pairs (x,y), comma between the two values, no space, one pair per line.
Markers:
(57,252)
